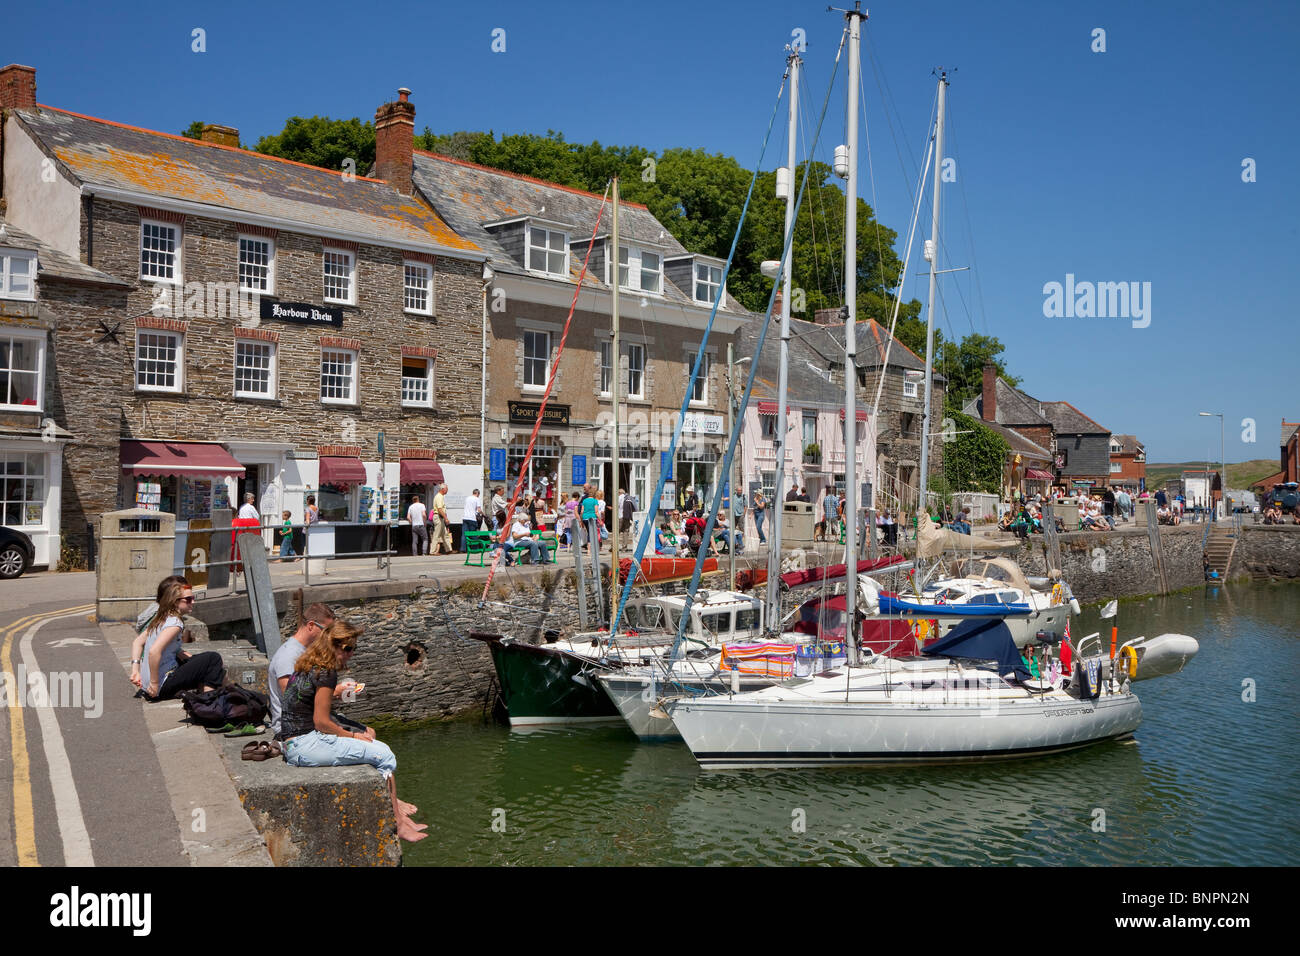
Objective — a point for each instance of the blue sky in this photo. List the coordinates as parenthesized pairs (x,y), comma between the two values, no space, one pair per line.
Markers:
(1115,166)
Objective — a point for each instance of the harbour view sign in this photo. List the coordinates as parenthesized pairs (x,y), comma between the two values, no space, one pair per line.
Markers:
(301,313)
(525,413)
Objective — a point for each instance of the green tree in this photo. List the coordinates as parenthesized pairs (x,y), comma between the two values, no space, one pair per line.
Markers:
(194,130)
(963,365)
(321,141)
(458,145)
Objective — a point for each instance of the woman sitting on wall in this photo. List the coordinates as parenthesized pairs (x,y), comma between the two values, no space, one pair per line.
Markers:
(158,665)
(312,738)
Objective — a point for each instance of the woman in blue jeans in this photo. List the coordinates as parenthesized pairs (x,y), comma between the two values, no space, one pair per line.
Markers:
(311,736)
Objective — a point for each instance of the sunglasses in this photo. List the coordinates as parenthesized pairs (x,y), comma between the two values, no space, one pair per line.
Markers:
(189,598)
(346,648)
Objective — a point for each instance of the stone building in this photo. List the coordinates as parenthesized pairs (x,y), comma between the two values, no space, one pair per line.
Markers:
(277,318)
(41,291)
(536,236)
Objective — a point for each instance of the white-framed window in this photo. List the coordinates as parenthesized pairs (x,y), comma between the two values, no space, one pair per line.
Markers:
(340,276)
(1116,448)
(700,390)
(909,389)
(17,274)
(1116,468)
(606,367)
(708,280)
(22,371)
(417,288)
(159,361)
(256,264)
(338,376)
(767,427)
(639,269)
(254,369)
(547,251)
(160,251)
(417,382)
(537,358)
(636,371)
(809,422)
(22,488)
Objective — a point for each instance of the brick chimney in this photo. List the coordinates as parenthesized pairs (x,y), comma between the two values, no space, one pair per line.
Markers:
(777,302)
(990,396)
(395,142)
(17,86)
(221,135)
(828,316)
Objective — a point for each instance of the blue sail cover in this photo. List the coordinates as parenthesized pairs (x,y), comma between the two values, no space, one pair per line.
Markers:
(982,640)
(893,605)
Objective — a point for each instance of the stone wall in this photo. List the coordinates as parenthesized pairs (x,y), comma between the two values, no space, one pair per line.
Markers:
(1272,550)
(1100,566)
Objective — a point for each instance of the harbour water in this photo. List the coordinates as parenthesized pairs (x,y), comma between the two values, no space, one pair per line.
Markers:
(1210,778)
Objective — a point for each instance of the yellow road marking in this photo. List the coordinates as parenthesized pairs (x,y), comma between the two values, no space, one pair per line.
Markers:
(24,816)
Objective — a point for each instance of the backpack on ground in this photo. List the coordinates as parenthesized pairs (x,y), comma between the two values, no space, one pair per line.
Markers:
(230,704)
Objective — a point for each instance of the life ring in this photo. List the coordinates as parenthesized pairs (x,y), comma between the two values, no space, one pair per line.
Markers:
(1128,652)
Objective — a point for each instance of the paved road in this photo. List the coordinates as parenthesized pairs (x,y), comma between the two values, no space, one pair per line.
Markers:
(81,781)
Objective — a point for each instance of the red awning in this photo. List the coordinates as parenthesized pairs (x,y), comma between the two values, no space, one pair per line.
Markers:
(861,415)
(421,471)
(341,471)
(190,459)
(771,408)
(1037,474)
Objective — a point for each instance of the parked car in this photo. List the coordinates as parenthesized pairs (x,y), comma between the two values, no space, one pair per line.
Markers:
(16,553)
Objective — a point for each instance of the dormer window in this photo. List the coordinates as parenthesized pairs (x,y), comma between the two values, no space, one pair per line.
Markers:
(708,280)
(1116,448)
(547,251)
(640,270)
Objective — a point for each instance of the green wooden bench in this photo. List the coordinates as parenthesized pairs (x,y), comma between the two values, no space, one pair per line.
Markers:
(478,543)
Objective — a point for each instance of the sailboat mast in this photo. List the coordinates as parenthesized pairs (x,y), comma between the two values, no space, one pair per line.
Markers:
(777,505)
(855,18)
(617,369)
(933,255)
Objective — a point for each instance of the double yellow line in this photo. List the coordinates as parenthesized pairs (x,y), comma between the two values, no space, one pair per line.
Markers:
(24,817)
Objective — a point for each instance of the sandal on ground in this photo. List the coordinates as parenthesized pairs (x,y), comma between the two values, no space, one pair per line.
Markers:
(225,729)
(247,730)
(257,751)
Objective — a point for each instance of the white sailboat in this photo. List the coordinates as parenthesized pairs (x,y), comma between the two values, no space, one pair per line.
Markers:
(971,697)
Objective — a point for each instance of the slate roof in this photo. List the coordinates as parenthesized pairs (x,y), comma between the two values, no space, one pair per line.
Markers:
(1020,445)
(53,264)
(1068,420)
(807,382)
(1288,429)
(1014,407)
(1128,443)
(104,153)
(468,195)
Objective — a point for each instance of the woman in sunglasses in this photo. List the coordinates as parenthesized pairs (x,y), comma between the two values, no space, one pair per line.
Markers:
(158,665)
(311,736)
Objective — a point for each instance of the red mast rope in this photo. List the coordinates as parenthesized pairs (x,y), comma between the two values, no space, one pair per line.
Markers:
(532,439)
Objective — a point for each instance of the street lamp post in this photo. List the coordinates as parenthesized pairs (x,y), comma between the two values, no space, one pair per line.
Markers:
(1223,465)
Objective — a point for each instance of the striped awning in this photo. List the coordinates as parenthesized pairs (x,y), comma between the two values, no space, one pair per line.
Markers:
(341,471)
(861,415)
(1037,474)
(771,408)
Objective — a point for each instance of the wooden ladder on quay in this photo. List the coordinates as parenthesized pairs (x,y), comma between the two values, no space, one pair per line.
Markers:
(1220,546)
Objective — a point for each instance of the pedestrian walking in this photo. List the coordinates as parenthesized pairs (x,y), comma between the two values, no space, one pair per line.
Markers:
(625,510)
(471,519)
(417,514)
(760,515)
(441,526)
(286,535)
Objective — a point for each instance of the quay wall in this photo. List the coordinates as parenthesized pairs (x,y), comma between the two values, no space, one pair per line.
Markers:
(1271,550)
(1101,565)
